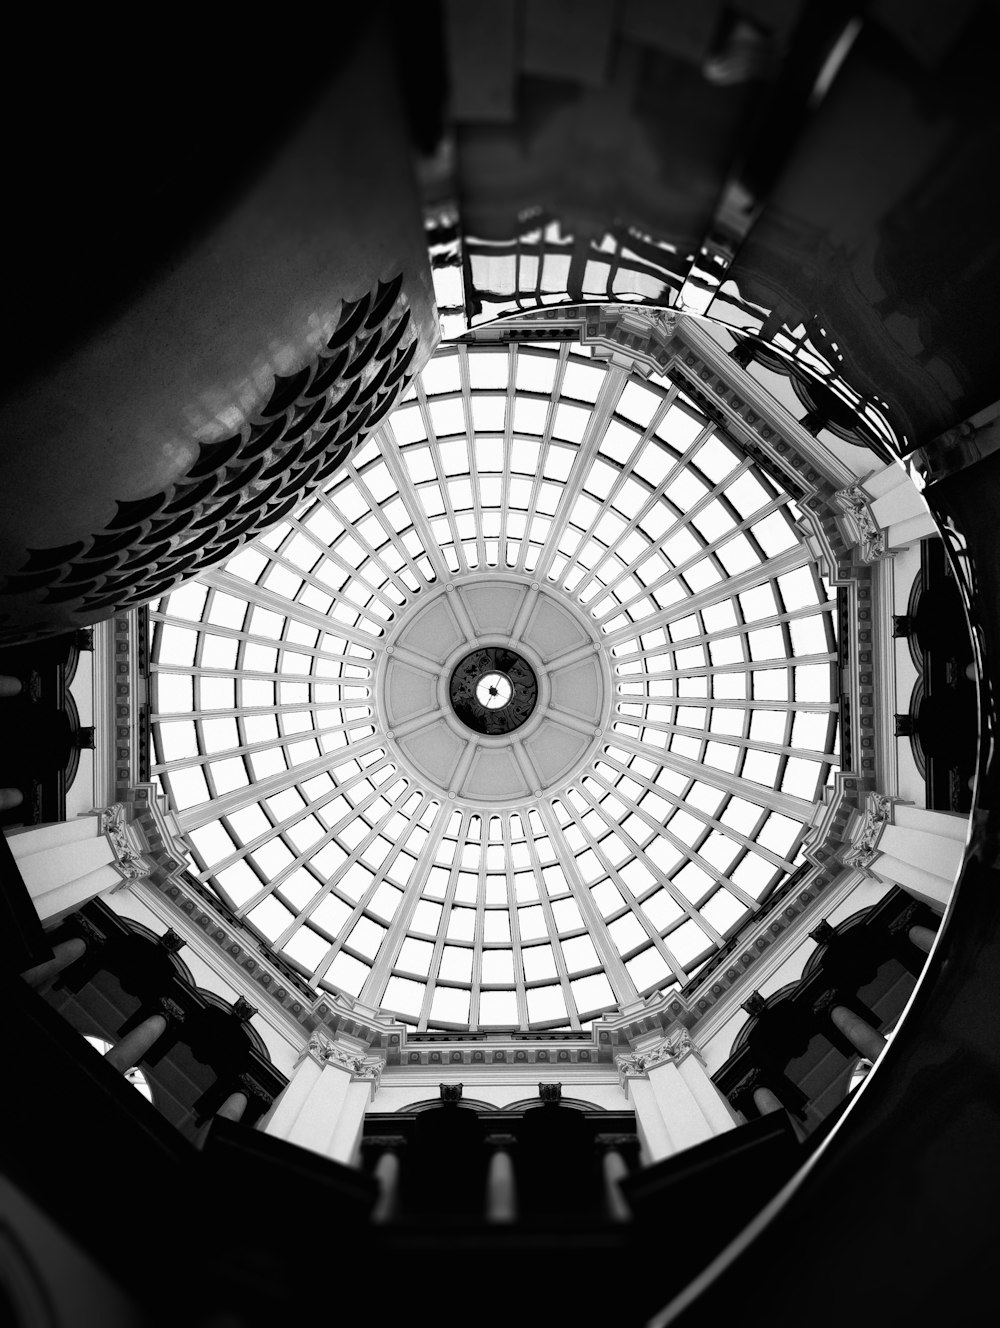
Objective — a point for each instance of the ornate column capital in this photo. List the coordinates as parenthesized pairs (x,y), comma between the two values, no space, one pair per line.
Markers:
(113,823)
(382,1143)
(876,816)
(501,1139)
(249,1085)
(871,537)
(752,1080)
(323,1051)
(637,1064)
(606,1141)
(171,1010)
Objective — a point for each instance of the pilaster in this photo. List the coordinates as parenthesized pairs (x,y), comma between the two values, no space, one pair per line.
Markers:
(64,865)
(324,1105)
(676,1104)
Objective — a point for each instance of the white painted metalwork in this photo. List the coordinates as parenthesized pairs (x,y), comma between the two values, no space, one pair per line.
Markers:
(656,582)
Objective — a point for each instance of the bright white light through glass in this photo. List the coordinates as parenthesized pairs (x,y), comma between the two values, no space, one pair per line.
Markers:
(616,496)
(493,691)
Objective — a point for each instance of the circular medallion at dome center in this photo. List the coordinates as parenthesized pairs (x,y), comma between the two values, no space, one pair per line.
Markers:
(493,690)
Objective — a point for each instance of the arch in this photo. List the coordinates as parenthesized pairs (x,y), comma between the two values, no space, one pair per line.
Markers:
(253,1037)
(818,956)
(146,934)
(466,1104)
(574,1103)
(770,1002)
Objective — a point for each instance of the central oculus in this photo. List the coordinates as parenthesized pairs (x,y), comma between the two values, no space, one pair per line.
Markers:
(493,690)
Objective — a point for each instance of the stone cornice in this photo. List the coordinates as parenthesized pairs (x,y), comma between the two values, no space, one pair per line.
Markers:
(880,673)
(105,713)
(124,669)
(759,399)
(500,1050)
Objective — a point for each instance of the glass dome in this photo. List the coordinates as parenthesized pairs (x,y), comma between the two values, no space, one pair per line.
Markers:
(523,716)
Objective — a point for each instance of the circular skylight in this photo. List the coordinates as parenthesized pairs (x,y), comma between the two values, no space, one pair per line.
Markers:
(523,716)
(493,690)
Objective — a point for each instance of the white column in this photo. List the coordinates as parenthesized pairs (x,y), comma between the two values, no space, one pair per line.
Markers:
(946,825)
(914,528)
(676,1104)
(281,1116)
(650,1126)
(66,953)
(233,1107)
(922,852)
(922,938)
(865,1040)
(613,1169)
(134,1045)
(323,1107)
(387,1174)
(897,508)
(501,1186)
(766,1102)
(64,865)
(345,1142)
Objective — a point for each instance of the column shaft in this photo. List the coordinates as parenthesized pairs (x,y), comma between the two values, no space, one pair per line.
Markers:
(922,938)
(387,1174)
(767,1102)
(63,954)
(233,1107)
(282,1115)
(345,1141)
(501,1188)
(134,1045)
(64,865)
(866,1040)
(613,1169)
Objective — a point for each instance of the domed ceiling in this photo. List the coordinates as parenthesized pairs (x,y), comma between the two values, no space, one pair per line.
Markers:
(522,717)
